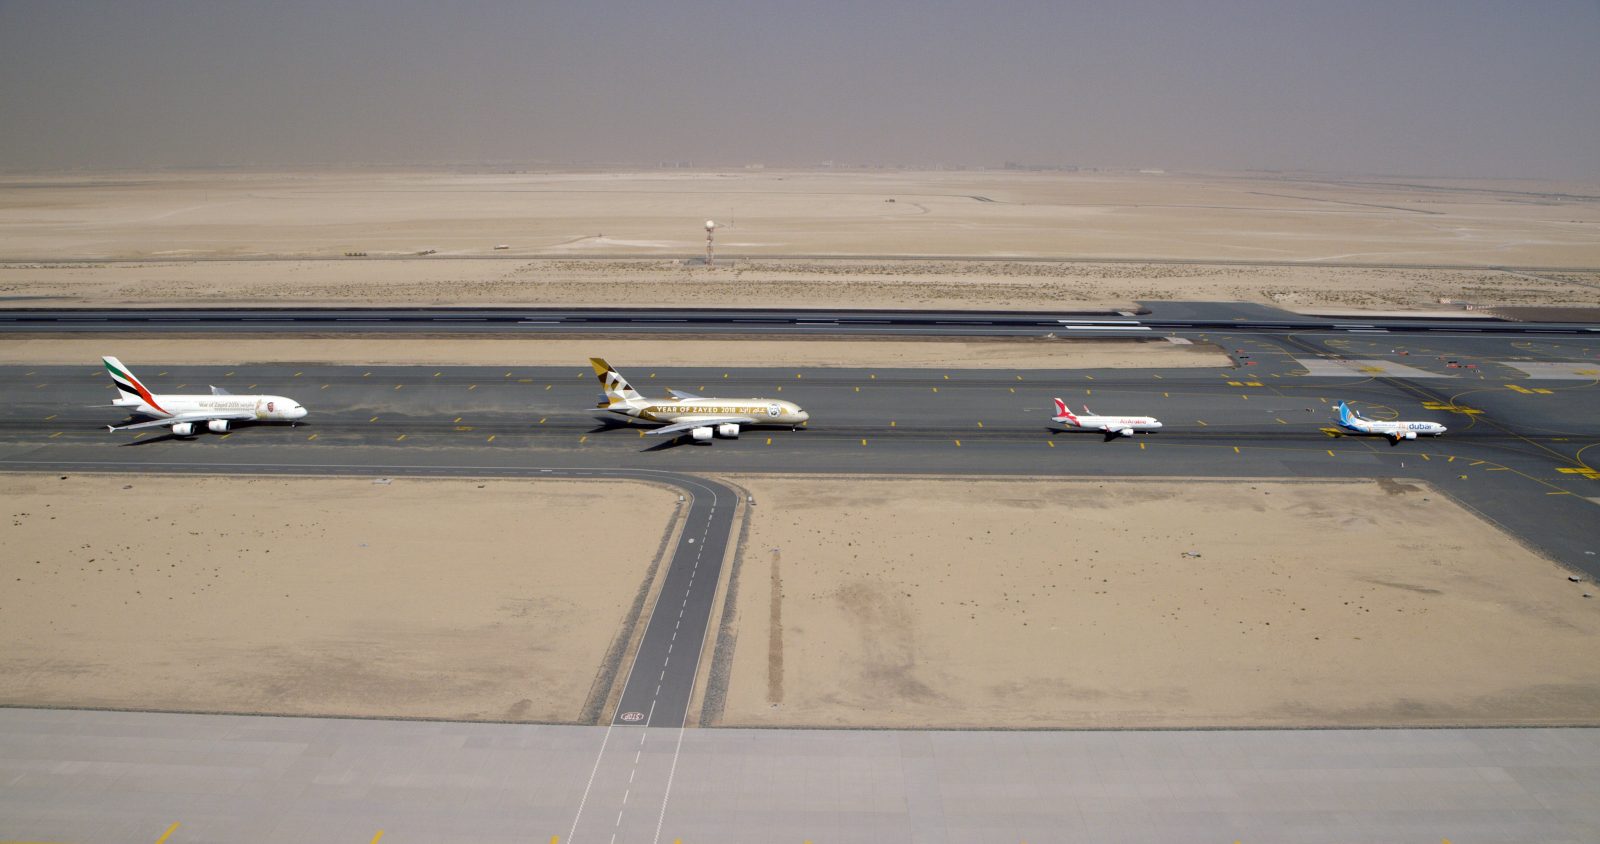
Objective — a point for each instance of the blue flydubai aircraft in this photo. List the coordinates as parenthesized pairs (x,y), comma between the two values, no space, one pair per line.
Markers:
(1355,423)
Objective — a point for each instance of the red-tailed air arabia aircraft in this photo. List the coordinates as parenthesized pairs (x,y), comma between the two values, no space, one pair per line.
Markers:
(1111,426)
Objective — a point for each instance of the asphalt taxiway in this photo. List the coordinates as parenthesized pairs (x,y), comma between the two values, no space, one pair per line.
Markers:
(1519,452)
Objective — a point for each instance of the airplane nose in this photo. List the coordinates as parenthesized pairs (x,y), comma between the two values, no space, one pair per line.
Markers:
(299,412)
(802,415)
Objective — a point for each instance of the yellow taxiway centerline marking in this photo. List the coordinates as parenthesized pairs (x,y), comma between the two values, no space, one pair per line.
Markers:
(1330,452)
(1141,446)
(1280,421)
(458,419)
(51,416)
(437,374)
(57,434)
(1235,449)
(1477,462)
(980,424)
(769,440)
(168,833)
(936,389)
(397,386)
(298,374)
(1426,457)
(1019,377)
(863,440)
(1088,392)
(548,386)
(871,377)
(491,438)
(1201,421)
(947,378)
(508,375)
(541,419)
(363,375)
(399,438)
(326,386)
(373,419)
(958,443)
(583,439)
(310,438)
(1563,492)
(858,389)
(378,837)
(1051,443)
(1012,389)
(641,435)
(473,387)
(1452,459)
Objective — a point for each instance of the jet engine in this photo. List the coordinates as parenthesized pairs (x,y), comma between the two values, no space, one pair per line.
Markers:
(700,435)
(182,429)
(1410,435)
(217,426)
(1126,432)
(730,430)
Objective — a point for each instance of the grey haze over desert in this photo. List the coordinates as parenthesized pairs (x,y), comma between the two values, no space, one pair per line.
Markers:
(1476,89)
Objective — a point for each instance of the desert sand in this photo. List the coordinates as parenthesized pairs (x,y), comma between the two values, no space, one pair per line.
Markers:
(793,239)
(466,600)
(1068,604)
(1027,353)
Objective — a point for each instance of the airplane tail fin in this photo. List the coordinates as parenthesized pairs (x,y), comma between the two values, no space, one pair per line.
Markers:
(1345,412)
(616,387)
(131,390)
(1063,411)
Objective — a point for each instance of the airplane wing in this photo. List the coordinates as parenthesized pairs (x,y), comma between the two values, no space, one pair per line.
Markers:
(679,394)
(218,391)
(186,417)
(702,422)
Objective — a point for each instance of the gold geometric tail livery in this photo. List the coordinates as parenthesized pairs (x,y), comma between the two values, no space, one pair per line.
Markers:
(616,387)
(685,414)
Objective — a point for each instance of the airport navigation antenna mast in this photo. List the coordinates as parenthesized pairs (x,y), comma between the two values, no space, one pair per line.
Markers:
(711,227)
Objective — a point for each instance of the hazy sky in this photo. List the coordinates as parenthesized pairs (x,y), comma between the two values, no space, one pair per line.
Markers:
(1425,88)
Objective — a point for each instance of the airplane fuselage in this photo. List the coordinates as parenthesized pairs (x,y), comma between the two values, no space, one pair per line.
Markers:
(1110,423)
(262,408)
(671,411)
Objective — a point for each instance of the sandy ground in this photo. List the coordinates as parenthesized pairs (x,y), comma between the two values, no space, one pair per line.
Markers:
(471,600)
(872,239)
(1014,603)
(1021,354)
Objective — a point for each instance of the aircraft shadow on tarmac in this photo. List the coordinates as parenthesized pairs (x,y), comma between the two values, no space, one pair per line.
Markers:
(1107,436)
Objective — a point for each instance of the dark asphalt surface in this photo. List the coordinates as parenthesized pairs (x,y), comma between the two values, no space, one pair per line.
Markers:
(1152,317)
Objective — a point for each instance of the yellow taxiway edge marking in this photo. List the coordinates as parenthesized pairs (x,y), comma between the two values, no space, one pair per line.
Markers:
(1201,421)
(1088,392)
(163,372)
(251,387)
(1426,457)
(858,389)
(491,437)
(1019,377)
(378,837)
(1235,449)
(181,386)
(947,378)
(225,436)
(652,375)
(1090,377)
(326,386)
(769,440)
(780,388)
(548,386)
(437,374)
(1141,446)
(1497,469)
(724,374)
(936,389)
(541,420)
(1477,463)
(1452,459)
(891,423)
(1158,376)
(399,438)
(1280,421)
(1461,477)
(310,438)
(51,416)
(797,375)
(1165,396)
(641,435)
(42,386)
(373,419)
(871,377)
(583,439)
(1330,452)
(1563,492)
(298,374)
(363,375)
(980,424)
(140,434)
(458,419)
(863,440)
(1245,397)
(1012,389)
(473,387)
(57,434)
(1051,443)
(958,443)
(1321,399)
(168,833)
(230,372)
(397,386)
(508,375)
